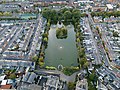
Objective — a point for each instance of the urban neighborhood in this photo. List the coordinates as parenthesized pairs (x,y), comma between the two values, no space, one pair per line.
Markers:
(59,44)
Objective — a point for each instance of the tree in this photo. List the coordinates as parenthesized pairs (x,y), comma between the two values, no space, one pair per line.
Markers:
(103,44)
(67,15)
(92,77)
(78,40)
(7,14)
(100,35)
(106,14)
(53,16)
(30,18)
(4,1)
(75,23)
(61,32)
(46,13)
(78,48)
(63,10)
(7,72)
(50,15)
(12,76)
(71,85)
(1,14)
(115,34)
(86,64)
(77,34)
(45,35)
(106,49)
(76,14)
(48,23)
(41,64)
(34,58)
(41,54)
(81,52)
(97,28)
(83,15)
(45,40)
(82,61)
(78,27)
(16,11)
(41,59)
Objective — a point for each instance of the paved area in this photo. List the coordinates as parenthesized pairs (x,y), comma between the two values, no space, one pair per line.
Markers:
(62,75)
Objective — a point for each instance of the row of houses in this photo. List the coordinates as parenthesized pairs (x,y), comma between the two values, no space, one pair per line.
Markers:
(107,20)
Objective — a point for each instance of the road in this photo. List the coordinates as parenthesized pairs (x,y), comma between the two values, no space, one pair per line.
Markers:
(98,61)
(36,38)
(15,63)
(111,53)
(103,55)
(3,31)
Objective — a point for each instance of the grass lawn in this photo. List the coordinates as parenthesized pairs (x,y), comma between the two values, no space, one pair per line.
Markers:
(70,70)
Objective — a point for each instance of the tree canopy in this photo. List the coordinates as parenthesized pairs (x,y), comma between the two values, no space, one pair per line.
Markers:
(66,15)
(106,14)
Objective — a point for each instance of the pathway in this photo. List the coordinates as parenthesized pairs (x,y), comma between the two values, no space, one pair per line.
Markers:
(62,75)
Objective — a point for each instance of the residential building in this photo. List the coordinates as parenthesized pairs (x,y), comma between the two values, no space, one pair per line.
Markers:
(82,85)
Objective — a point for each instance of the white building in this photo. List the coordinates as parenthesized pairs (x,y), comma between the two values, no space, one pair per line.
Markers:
(85,1)
(109,6)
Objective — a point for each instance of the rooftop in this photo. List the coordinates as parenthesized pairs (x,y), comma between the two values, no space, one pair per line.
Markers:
(6,87)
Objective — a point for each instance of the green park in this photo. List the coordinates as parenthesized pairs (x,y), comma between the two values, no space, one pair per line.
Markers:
(62,47)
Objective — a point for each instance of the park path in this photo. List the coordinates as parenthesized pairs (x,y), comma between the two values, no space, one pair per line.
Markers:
(62,75)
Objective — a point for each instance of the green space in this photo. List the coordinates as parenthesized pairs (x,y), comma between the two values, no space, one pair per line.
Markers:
(65,15)
(63,46)
(106,14)
(70,70)
(5,14)
(61,32)
(59,43)
(71,86)
(92,81)
(10,74)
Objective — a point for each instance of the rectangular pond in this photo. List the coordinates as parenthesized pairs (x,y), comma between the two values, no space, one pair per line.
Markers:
(61,51)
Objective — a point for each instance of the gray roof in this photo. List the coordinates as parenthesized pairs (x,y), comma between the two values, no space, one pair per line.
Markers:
(31,78)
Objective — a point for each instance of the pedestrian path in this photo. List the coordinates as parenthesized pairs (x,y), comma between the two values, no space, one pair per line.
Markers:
(62,75)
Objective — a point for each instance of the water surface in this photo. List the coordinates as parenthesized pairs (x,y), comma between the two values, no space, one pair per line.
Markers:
(61,51)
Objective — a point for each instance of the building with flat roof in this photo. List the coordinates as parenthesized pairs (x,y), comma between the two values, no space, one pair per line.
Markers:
(109,6)
(6,87)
